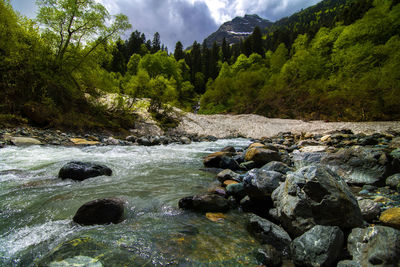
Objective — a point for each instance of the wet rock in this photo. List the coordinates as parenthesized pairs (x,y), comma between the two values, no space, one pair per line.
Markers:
(185,140)
(248,165)
(143,141)
(374,246)
(80,171)
(313,149)
(259,183)
(77,261)
(319,246)
(269,233)
(112,141)
(100,211)
(370,210)
(228,163)
(261,156)
(24,141)
(269,256)
(314,195)
(276,166)
(393,181)
(228,175)
(391,217)
(213,160)
(359,165)
(230,149)
(236,190)
(204,203)
(131,138)
(307,143)
(83,142)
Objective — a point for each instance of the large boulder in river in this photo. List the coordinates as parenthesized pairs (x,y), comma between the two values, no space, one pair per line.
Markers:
(213,160)
(80,171)
(259,183)
(319,246)
(360,165)
(314,195)
(204,203)
(261,156)
(100,211)
(373,246)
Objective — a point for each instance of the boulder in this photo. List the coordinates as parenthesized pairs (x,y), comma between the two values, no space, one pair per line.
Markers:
(228,163)
(259,183)
(374,246)
(80,171)
(230,149)
(185,140)
(228,175)
(100,211)
(77,261)
(276,166)
(313,149)
(370,210)
(143,141)
(262,156)
(204,203)
(393,181)
(269,233)
(314,195)
(248,165)
(83,142)
(301,160)
(391,217)
(319,246)
(359,165)
(236,190)
(213,160)
(24,141)
(269,256)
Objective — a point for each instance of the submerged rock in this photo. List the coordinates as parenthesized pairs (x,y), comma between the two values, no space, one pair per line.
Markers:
(373,246)
(80,171)
(100,211)
(204,203)
(319,246)
(314,195)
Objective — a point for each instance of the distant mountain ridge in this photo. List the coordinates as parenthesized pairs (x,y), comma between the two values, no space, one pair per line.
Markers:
(238,28)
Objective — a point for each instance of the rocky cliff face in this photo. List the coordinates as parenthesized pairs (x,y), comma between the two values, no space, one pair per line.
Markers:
(236,29)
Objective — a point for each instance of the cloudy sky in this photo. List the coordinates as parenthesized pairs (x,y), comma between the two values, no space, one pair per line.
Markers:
(186,20)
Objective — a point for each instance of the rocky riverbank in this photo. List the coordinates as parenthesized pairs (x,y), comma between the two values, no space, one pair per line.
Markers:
(340,191)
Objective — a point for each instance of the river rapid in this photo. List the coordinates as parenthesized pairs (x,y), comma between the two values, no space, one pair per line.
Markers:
(36,209)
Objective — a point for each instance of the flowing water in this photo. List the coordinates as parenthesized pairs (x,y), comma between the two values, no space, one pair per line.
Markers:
(36,209)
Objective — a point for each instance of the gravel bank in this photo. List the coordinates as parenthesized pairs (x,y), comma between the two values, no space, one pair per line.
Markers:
(255,126)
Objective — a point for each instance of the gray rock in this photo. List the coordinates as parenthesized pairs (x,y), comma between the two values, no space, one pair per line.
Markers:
(319,246)
(393,181)
(248,165)
(259,183)
(204,203)
(230,149)
(228,175)
(269,233)
(276,166)
(24,141)
(143,141)
(100,211)
(131,138)
(269,256)
(370,210)
(359,165)
(236,190)
(80,171)
(185,140)
(301,160)
(77,261)
(228,163)
(375,246)
(348,263)
(314,195)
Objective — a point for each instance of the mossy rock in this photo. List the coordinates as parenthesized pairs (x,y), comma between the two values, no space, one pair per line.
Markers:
(391,217)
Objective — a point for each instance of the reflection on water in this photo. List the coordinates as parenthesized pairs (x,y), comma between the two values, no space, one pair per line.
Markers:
(36,209)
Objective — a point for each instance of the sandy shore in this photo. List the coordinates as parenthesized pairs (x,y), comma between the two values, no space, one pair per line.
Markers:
(255,126)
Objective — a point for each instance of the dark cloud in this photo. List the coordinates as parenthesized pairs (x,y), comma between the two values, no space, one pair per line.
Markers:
(175,20)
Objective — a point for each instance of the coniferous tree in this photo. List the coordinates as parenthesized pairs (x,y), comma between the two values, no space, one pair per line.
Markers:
(214,61)
(226,51)
(156,43)
(178,53)
(205,55)
(257,42)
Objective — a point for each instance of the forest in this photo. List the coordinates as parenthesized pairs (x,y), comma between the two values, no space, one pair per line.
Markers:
(336,61)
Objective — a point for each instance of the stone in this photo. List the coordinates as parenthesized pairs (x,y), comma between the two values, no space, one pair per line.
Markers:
(256,145)
(269,233)
(213,160)
(314,195)
(24,141)
(228,175)
(112,141)
(248,165)
(100,211)
(230,149)
(215,216)
(228,163)
(393,181)
(229,182)
(374,246)
(261,156)
(259,183)
(204,203)
(277,166)
(306,143)
(143,141)
(185,140)
(77,261)
(370,210)
(325,138)
(313,149)
(301,160)
(269,256)
(80,171)
(319,246)
(348,263)
(83,142)
(391,217)
(131,138)
(236,190)
(359,165)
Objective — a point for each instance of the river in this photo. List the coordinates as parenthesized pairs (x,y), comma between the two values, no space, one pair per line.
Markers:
(36,209)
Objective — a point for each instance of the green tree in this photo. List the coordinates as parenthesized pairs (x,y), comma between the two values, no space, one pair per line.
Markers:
(178,53)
